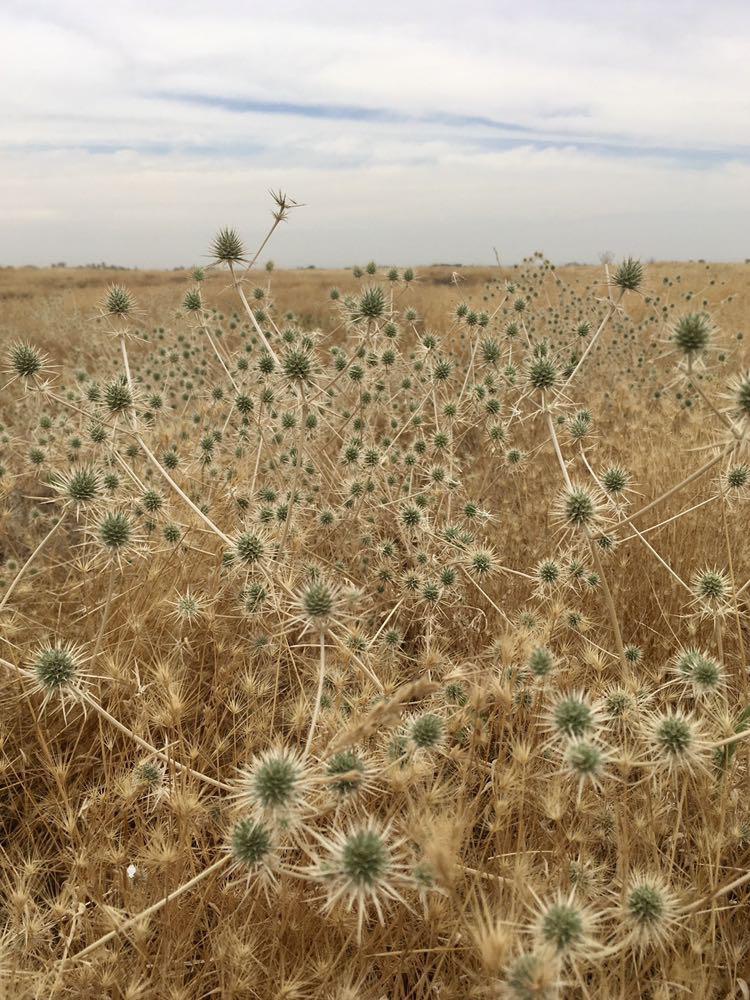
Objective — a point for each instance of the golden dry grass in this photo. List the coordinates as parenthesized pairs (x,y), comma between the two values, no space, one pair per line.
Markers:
(493,821)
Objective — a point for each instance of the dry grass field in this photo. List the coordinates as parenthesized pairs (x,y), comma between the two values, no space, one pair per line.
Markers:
(383,643)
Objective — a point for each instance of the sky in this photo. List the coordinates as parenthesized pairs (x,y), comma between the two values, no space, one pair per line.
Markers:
(411,133)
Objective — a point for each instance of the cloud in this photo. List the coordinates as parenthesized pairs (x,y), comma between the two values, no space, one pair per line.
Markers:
(405,124)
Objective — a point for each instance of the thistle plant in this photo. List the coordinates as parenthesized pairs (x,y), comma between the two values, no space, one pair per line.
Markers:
(362,867)
(392,574)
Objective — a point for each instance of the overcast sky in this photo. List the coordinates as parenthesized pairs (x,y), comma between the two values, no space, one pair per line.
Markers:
(413,132)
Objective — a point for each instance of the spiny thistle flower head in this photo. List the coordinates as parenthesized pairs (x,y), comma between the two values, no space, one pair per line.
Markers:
(712,590)
(548,572)
(150,773)
(251,843)
(275,783)
(117,395)
(370,305)
(298,365)
(586,761)
(346,771)
(361,867)
(118,301)
(79,486)
(737,477)
(56,671)
(628,275)
(481,562)
(25,361)
(618,702)
(541,662)
(227,247)
(649,909)
(704,675)
(615,480)
(425,731)
(579,507)
(250,547)
(57,666)
(189,606)
(541,373)
(572,715)
(691,333)
(318,603)
(565,926)
(115,530)
(674,739)
(193,302)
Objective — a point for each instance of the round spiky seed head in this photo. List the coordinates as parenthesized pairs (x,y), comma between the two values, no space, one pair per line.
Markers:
(249,547)
(711,588)
(564,926)
(541,662)
(737,477)
(364,859)
(24,360)
(706,676)
(193,301)
(80,486)
(348,763)
(115,530)
(318,600)
(548,571)
(56,667)
(481,562)
(118,301)
(615,480)
(371,303)
(426,731)
(117,396)
(297,365)
(579,507)
(251,843)
(227,247)
(572,716)
(628,275)
(691,333)
(585,761)
(254,597)
(674,739)
(149,774)
(650,909)
(542,373)
(275,780)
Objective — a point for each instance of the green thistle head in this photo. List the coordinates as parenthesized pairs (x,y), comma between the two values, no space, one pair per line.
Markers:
(24,360)
(628,275)
(56,667)
(692,333)
(227,247)
(251,843)
(115,530)
(118,301)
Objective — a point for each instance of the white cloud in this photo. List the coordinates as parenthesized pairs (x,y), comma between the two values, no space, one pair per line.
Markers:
(632,128)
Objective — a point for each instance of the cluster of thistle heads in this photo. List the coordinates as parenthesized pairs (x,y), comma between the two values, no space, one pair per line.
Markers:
(352,504)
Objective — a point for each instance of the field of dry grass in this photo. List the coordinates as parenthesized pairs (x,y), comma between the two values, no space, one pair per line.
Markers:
(383,644)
